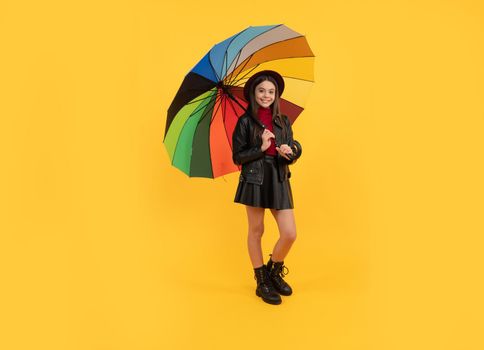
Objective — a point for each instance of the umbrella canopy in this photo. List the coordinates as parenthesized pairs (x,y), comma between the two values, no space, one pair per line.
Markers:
(205,110)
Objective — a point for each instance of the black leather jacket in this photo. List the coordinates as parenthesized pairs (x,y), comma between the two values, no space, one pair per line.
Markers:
(247,152)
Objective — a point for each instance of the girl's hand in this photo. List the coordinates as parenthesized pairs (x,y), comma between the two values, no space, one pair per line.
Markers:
(284,150)
(266,139)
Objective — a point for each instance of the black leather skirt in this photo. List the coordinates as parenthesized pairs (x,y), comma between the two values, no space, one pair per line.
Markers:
(271,194)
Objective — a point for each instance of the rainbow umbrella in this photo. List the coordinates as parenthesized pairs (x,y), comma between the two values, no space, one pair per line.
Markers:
(204,112)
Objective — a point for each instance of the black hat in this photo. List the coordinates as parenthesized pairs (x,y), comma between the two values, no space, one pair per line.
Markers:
(277,77)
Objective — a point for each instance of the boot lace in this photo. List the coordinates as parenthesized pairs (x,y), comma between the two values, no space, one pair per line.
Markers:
(265,281)
(281,271)
(278,269)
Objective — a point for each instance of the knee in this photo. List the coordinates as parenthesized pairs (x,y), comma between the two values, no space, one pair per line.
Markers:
(289,236)
(256,232)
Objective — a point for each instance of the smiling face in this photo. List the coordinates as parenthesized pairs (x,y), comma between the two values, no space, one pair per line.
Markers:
(265,93)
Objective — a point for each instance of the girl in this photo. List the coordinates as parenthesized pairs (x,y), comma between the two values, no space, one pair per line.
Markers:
(263,145)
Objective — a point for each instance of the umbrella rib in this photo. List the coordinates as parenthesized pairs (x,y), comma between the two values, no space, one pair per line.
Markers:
(185,123)
(226,134)
(240,50)
(216,110)
(220,78)
(252,39)
(205,113)
(211,65)
(236,83)
(224,64)
(237,59)
(234,79)
(238,78)
(201,99)
(271,44)
(217,97)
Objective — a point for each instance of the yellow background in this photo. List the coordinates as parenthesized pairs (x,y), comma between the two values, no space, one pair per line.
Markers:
(105,245)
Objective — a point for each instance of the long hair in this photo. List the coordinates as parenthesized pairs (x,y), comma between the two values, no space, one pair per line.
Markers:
(253,107)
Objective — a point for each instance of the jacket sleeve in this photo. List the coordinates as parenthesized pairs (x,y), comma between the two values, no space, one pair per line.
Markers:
(242,150)
(297,151)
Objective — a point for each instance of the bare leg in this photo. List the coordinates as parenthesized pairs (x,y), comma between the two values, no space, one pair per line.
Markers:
(255,217)
(287,233)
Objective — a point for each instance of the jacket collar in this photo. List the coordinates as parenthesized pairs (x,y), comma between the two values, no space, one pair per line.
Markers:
(275,121)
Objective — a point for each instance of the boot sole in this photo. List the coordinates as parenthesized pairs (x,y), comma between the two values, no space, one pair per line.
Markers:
(279,291)
(284,293)
(273,302)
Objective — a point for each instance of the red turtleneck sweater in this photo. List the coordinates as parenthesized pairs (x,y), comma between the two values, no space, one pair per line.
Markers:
(265,116)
